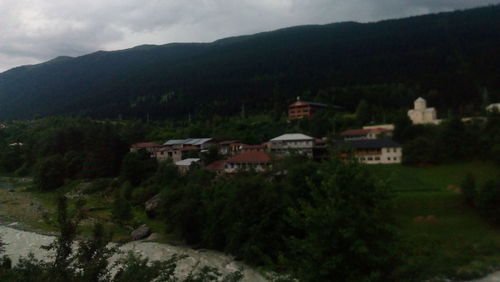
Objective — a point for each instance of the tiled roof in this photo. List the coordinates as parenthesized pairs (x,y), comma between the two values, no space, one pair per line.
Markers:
(292,137)
(254,147)
(145,145)
(250,157)
(370,143)
(305,103)
(189,141)
(315,104)
(216,166)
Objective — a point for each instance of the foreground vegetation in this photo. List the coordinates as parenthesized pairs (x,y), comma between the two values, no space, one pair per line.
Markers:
(443,236)
(303,219)
(89,261)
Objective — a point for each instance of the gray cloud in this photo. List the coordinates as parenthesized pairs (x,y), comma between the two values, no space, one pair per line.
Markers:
(32,31)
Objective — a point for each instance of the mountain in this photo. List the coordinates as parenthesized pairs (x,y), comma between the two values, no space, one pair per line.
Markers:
(455,54)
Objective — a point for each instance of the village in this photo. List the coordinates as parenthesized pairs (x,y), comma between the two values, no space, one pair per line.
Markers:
(371,144)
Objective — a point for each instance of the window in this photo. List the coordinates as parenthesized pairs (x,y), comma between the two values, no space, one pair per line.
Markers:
(394,150)
(377,158)
(370,159)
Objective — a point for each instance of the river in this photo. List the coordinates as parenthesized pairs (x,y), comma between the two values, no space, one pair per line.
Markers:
(21,243)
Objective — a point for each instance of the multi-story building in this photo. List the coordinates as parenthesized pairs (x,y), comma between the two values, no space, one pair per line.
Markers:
(370,133)
(303,109)
(292,142)
(149,147)
(373,151)
(251,160)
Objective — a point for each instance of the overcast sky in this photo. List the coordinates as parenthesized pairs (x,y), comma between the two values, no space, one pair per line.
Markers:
(33,31)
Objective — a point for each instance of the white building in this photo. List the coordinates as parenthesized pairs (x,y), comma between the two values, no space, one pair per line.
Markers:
(251,160)
(493,107)
(421,114)
(375,151)
(370,133)
(185,164)
(286,143)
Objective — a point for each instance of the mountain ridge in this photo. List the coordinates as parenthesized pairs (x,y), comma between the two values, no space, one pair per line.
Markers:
(217,77)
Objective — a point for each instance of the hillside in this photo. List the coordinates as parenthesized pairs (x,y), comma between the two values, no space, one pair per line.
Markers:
(454,54)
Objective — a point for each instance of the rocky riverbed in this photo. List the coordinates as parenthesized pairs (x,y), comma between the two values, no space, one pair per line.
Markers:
(21,243)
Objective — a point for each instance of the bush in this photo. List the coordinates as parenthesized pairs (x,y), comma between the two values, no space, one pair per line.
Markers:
(121,210)
(488,201)
(469,189)
(49,173)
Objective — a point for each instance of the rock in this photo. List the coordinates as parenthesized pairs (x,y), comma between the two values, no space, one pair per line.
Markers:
(151,206)
(140,233)
(154,237)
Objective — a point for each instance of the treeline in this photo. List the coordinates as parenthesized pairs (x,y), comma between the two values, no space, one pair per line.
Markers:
(485,198)
(452,140)
(56,149)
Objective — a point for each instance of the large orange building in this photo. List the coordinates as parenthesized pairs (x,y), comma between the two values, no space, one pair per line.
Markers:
(302,109)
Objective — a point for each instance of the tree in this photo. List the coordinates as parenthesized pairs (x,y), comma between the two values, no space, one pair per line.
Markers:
(93,255)
(488,201)
(211,155)
(137,167)
(469,189)
(49,173)
(61,268)
(345,232)
(121,210)
(363,114)
(166,174)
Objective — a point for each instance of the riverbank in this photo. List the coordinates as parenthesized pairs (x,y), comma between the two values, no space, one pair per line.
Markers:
(21,243)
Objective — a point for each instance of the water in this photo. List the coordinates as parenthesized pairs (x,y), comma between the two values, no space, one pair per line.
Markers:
(21,243)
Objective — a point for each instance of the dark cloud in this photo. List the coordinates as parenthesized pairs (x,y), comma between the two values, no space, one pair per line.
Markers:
(36,30)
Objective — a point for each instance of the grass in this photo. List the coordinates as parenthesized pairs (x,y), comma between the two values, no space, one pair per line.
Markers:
(402,178)
(455,242)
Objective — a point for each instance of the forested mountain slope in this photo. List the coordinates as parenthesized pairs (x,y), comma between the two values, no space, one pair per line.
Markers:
(454,53)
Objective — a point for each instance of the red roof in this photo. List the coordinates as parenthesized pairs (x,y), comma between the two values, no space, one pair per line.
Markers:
(145,145)
(216,166)
(250,157)
(358,132)
(253,147)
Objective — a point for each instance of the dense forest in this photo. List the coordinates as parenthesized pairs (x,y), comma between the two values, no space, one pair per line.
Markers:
(450,58)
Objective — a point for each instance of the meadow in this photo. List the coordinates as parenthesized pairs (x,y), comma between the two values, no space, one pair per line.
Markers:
(442,236)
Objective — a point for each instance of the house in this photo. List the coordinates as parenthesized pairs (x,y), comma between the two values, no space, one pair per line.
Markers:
(16,144)
(303,109)
(420,114)
(493,108)
(147,146)
(185,165)
(175,153)
(253,148)
(150,147)
(201,143)
(384,126)
(229,147)
(374,151)
(252,160)
(370,133)
(216,166)
(286,143)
